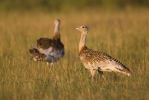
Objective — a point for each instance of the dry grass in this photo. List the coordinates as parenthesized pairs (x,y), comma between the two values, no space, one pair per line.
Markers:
(123,35)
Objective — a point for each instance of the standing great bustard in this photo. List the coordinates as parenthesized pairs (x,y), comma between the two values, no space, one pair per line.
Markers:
(97,61)
(49,50)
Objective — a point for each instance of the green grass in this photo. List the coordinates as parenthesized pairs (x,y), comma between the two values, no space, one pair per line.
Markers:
(123,35)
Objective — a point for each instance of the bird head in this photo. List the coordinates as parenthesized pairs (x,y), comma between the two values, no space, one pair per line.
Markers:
(83,29)
(57,22)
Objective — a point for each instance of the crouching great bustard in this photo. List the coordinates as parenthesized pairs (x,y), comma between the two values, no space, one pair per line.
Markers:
(97,61)
(49,50)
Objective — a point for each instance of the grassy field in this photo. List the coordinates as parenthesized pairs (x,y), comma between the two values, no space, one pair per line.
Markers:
(122,34)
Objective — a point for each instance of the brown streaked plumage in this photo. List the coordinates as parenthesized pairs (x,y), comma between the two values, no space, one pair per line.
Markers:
(53,48)
(45,43)
(36,55)
(98,61)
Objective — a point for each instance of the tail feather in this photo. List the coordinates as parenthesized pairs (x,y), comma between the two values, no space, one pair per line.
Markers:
(125,71)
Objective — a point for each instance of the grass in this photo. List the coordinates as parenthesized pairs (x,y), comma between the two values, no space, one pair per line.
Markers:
(122,34)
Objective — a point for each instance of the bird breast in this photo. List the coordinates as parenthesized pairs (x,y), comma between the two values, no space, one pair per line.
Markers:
(48,51)
(52,52)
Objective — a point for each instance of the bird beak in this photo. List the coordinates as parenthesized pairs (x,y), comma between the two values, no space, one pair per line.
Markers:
(77,28)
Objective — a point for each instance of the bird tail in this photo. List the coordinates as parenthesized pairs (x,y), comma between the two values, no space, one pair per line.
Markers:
(127,71)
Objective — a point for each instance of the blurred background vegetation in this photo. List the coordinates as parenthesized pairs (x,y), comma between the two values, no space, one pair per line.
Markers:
(117,27)
(60,5)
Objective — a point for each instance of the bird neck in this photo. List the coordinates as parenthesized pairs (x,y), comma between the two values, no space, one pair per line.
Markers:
(82,41)
(57,32)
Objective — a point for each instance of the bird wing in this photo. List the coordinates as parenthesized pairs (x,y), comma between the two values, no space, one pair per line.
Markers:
(45,43)
(36,55)
(50,47)
(101,61)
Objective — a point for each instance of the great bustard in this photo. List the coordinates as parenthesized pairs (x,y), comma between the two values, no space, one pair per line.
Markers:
(97,61)
(49,50)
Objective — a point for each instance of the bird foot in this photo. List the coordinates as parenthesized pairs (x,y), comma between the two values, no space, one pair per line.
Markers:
(104,78)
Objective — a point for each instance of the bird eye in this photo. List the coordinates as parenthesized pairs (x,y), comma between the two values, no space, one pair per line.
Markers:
(83,27)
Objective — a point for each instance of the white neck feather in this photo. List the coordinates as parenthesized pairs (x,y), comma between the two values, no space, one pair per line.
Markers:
(57,29)
(82,41)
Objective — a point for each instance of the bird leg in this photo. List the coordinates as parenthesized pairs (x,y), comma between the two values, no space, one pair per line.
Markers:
(50,65)
(101,74)
(92,73)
